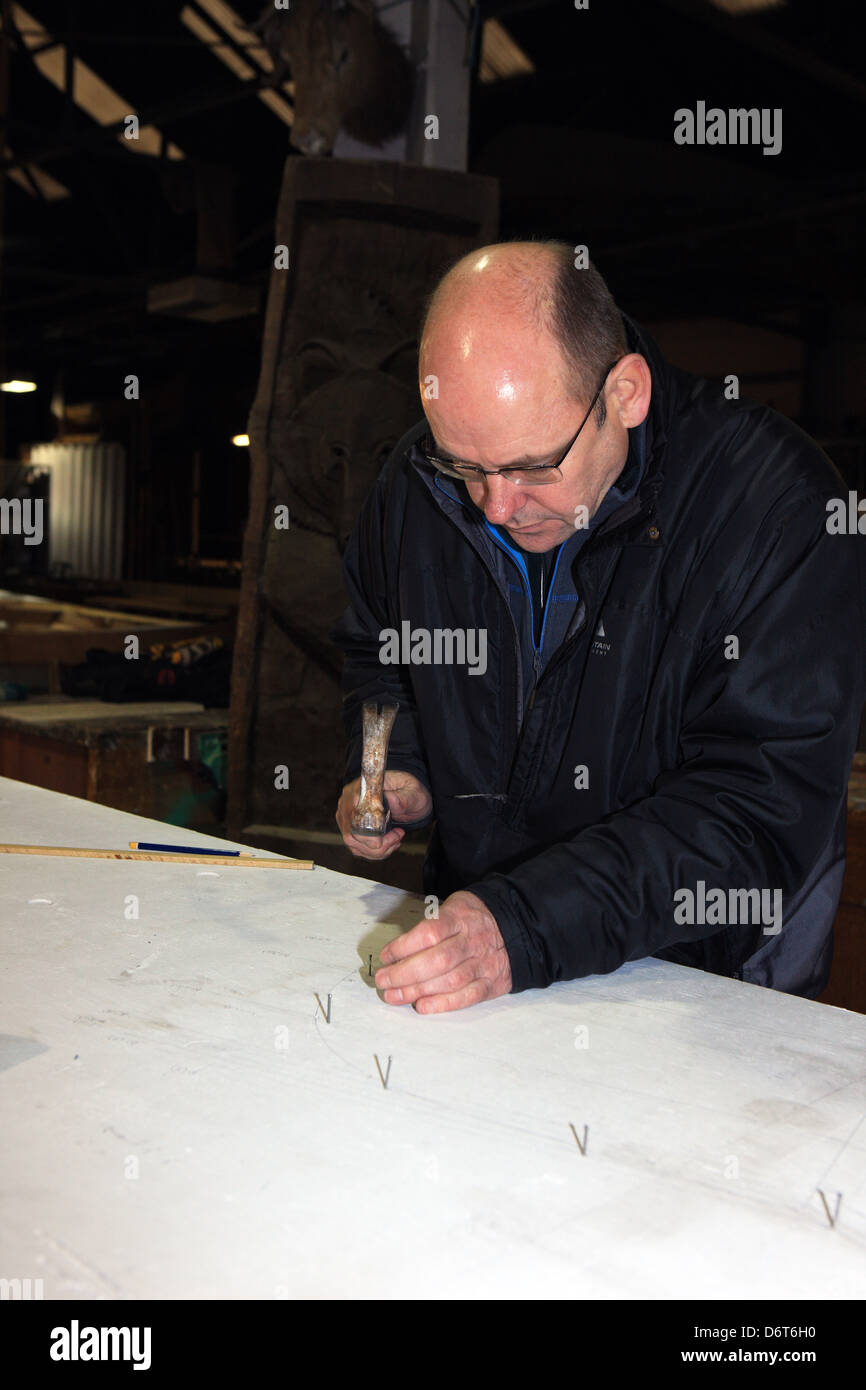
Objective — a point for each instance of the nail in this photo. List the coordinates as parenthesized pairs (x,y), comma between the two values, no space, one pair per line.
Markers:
(582,1146)
(831,1219)
(383,1079)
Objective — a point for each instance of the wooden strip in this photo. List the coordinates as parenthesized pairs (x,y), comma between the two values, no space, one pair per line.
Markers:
(76,852)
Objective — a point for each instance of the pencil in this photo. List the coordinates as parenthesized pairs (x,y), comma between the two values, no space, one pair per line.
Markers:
(181,849)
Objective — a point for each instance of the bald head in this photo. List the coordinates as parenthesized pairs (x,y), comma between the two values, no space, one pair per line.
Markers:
(533,292)
(515,279)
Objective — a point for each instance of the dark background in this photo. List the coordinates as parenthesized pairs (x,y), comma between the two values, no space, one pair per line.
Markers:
(740,262)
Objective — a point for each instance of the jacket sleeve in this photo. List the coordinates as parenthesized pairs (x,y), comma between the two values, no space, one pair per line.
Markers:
(766,744)
(369,570)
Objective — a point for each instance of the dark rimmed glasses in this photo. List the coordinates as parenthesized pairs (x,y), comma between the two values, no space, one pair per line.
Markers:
(530,475)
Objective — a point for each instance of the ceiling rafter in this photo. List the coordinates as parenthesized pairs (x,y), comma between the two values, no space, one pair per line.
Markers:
(228,53)
(56,62)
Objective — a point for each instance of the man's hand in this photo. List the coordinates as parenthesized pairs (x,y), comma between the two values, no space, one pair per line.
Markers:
(407,800)
(448,963)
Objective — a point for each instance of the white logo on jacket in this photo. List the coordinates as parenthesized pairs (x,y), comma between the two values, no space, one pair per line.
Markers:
(600,647)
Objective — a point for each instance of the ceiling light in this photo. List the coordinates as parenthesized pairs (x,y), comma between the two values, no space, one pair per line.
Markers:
(746,6)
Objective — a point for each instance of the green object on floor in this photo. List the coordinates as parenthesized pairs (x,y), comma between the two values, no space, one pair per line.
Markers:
(213,753)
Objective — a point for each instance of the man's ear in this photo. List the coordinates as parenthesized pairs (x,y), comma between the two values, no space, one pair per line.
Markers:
(632,389)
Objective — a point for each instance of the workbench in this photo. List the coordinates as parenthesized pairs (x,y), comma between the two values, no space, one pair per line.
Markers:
(149,757)
(181,1121)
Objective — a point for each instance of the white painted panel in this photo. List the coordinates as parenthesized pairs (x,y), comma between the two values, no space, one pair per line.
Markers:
(271,1161)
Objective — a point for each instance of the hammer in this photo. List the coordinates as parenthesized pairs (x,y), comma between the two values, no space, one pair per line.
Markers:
(371,816)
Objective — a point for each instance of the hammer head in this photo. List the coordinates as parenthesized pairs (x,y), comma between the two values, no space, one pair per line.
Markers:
(371,816)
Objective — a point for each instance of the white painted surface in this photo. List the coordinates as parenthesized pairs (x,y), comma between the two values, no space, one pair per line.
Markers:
(268,1172)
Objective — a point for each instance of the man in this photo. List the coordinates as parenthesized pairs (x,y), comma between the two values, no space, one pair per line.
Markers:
(652,756)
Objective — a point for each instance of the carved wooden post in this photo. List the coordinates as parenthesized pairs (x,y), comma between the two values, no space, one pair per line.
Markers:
(359,243)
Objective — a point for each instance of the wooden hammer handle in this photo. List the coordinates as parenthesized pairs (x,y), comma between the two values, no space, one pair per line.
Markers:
(371,816)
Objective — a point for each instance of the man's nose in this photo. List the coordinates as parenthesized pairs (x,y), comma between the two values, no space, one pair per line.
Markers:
(501,499)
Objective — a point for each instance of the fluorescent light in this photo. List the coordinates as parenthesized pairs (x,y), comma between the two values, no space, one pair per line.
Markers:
(17,388)
(241,440)
(747,6)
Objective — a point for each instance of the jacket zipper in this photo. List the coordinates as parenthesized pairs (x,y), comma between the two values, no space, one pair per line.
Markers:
(558,655)
(504,597)
(536,650)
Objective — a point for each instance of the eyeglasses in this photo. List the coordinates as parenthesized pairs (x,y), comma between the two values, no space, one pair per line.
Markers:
(531,475)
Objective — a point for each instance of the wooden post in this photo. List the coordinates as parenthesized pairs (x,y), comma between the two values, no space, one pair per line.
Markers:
(365,242)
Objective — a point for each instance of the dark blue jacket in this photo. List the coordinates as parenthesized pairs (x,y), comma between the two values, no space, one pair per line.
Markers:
(536,649)
(705,773)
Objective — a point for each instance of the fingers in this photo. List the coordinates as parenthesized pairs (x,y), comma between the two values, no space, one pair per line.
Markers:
(464,998)
(403,806)
(450,962)
(407,799)
(364,846)
(423,935)
(373,847)
(449,983)
(436,961)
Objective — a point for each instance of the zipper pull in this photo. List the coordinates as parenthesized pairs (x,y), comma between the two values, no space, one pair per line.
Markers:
(536,660)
